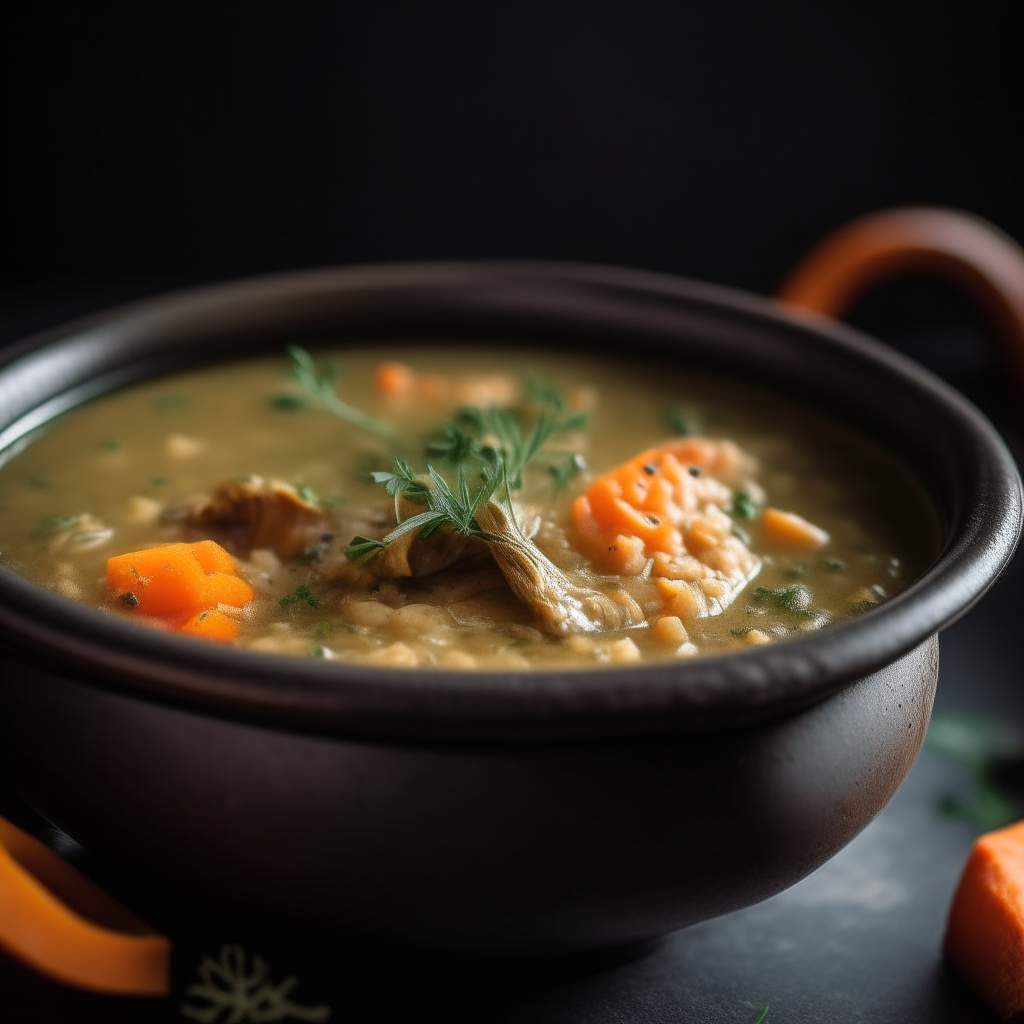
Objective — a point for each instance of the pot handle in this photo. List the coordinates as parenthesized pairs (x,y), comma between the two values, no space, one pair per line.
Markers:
(55,920)
(955,245)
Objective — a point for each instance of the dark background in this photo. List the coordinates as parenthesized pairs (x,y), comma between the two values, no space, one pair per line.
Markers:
(155,145)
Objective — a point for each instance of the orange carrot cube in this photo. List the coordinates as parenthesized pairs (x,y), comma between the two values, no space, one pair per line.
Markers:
(985,933)
(212,625)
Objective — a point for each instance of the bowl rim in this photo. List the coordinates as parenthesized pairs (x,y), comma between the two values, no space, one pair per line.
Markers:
(60,368)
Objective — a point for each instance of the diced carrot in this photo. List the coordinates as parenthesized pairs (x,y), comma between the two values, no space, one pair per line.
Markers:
(394,378)
(212,625)
(177,582)
(213,558)
(793,530)
(985,933)
(224,589)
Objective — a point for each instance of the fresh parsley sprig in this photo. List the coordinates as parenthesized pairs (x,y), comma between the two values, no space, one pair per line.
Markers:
(447,506)
(320,386)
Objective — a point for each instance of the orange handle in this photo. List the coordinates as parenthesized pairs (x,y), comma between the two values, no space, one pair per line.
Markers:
(57,921)
(959,246)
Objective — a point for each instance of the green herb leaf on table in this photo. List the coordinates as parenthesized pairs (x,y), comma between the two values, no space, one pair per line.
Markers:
(992,753)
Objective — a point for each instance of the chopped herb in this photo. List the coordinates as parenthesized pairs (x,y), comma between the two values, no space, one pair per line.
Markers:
(673,418)
(513,448)
(159,481)
(307,494)
(454,446)
(563,472)
(130,599)
(543,393)
(792,599)
(454,508)
(743,506)
(287,402)
(162,403)
(321,652)
(39,482)
(58,524)
(245,478)
(360,547)
(835,564)
(302,595)
(741,632)
(320,386)
(796,571)
(695,471)
(323,630)
(111,444)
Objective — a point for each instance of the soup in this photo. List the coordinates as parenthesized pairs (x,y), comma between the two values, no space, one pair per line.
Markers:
(433,508)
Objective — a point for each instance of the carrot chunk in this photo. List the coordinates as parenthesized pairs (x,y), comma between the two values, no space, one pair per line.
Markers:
(394,379)
(793,530)
(212,625)
(985,933)
(177,582)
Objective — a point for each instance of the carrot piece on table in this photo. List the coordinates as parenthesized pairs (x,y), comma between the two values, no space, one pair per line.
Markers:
(177,582)
(985,933)
(394,378)
(212,625)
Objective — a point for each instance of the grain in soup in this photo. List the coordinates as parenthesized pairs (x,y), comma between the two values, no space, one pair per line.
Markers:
(434,508)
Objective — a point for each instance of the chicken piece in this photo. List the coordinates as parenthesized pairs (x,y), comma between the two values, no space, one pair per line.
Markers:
(560,605)
(257,513)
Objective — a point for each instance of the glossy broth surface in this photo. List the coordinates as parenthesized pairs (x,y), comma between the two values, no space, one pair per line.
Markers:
(120,474)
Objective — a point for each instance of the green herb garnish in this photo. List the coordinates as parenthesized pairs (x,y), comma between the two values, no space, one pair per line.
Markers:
(320,385)
(159,481)
(743,506)
(307,494)
(287,402)
(163,403)
(674,418)
(110,444)
(302,595)
(361,547)
(39,482)
(835,564)
(58,524)
(323,630)
(564,472)
(792,599)
(741,632)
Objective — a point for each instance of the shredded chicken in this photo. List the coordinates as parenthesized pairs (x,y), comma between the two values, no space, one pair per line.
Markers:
(257,513)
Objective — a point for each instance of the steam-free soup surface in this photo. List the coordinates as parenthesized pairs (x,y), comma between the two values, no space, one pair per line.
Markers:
(664,514)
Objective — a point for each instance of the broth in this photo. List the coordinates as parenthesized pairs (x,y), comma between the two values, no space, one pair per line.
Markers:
(792,523)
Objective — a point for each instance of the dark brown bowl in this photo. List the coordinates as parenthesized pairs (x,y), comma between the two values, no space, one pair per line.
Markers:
(504,812)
